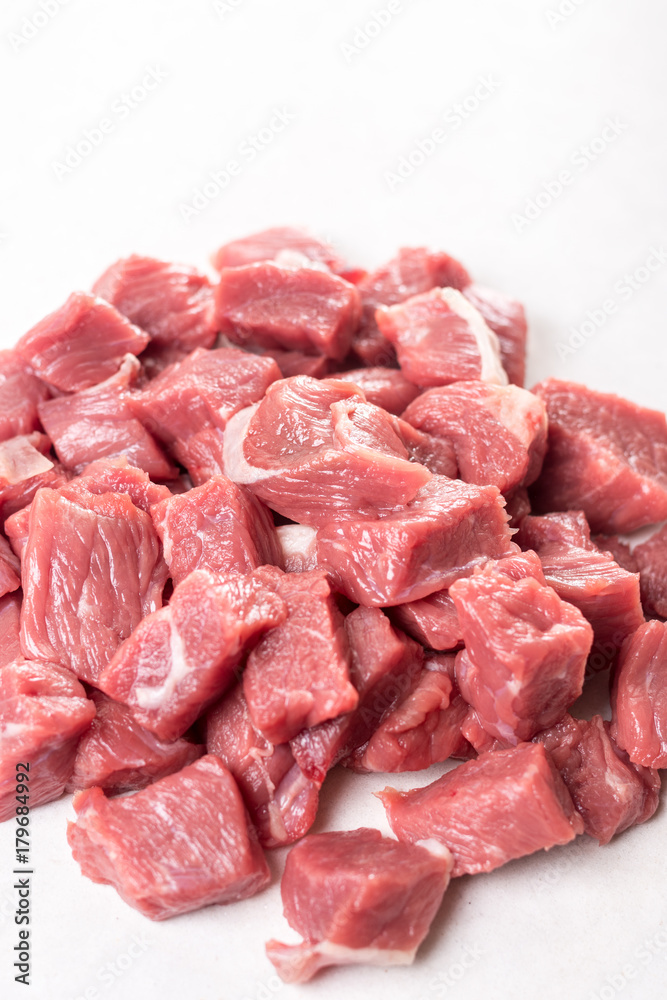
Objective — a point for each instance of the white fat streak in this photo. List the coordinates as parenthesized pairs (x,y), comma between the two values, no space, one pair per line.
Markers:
(438,849)
(296,539)
(487,342)
(20,460)
(234,464)
(152,697)
(338,954)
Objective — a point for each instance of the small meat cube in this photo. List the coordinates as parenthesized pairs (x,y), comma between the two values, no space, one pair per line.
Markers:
(380,899)
(184,656)
(20,392)
(607,457)
(10,569)
(10,626)
(173,303)
(651,559)
(43,711)
(25,468)
(433,621)
(80,344)
(269,243)
(180,844)
(504,805)
(507,319)
(385,387)
(639,696)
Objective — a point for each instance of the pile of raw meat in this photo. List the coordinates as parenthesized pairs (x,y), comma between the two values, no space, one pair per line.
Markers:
(304,516)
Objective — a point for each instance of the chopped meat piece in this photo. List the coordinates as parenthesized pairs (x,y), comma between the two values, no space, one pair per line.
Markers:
(433,620)
(651,559)
(607,457)
(24,468)
(10,625)
(504,805)
(10,569)
(298,544)
(380,899)
(180,844)
(639,696)
(20,392)
(267,244)
(507,319)
(385,387)
(80,344)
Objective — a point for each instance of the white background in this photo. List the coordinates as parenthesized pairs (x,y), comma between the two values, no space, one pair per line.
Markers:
(562,925)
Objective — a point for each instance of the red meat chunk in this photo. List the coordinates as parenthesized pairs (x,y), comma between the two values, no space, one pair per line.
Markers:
(10,625)
(24,468)
(385,387)
(80,344)
(173,303)
(651,560)
(488,811)
(507,319)
(526,649)
(433,620)
(43,711)
(180,844)
(10,569)
(380,899)
(184,656)
(269,243)
(607,457)
(639,696)
(20,392)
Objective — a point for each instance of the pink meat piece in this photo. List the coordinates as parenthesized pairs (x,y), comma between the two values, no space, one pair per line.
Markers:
(433,621)
(384,665)
(441,338)
(184,656)
(517,506)
(43,711)
(504,805)
(218,526)
(267,244)
(507,318)
(80,344)
(10,569)
(92,569)
(298,546)
(445,532)
(380,899)
(298,674)
(297,363)
(180,844)
(651,559)
(499,433)
(610,793)
(292,308)
(10,626)
(607,457)
(20,392)
(281,799)
(526,649)
(187,407)
(98,423)
(384,387)
(639,696)
(315,450)
(119,755)
(173,303)
(25,467)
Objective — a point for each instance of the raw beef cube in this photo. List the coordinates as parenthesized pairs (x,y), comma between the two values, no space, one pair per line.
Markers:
(119,755)
(609,792)
(24,468)
(20,392)
(43,711)
(380,899)
(10,568)
(298,675)
(180,844)
(440,338)
(526,649)
(267,244)
(385,387)
(335,455)
(639,696)
(92,569)
(384,665)
(488,811)
(651,558)
(448,529)
(10,625)
(218,526)
(433,620)
(173,303)
(607,457)
(606,594)
(293,308)
(281,799)
(507,319)
(499,433)
(298,363)
(98,423)
(182,657)
(80,344)
(298,545)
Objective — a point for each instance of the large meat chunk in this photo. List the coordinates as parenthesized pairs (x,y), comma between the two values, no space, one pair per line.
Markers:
(270,243)
(43,711)
(504,805)
(25,467)
(499,433)
(10,628)
(651,559)
(10,568)
(20,392)
(298,675)
(441,338)
(607,457)
(180,844)
(92,569)
(639,696)
(526,649)
(507,318)
(449,528)
(385,387)
(173,303)
(609,792)
(380,899)
(80,344)
(182,657)
(317,451)
(433,620)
